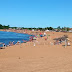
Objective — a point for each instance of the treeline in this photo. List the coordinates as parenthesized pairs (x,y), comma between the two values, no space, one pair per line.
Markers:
(4,26)
(63,28)
(46,28)
(39,28)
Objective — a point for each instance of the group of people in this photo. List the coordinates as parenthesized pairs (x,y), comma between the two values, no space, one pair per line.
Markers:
(10,44)
(57,42)
(31,38)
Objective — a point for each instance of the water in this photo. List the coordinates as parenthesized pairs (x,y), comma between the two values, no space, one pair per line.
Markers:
(6,37)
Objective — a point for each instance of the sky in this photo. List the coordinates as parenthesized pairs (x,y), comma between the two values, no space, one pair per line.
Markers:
(36,13)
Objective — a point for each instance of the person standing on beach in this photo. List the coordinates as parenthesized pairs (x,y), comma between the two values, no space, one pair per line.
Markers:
(4,45)
(13,43)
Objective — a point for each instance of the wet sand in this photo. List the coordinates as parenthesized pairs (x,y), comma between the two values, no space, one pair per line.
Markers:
(43,57)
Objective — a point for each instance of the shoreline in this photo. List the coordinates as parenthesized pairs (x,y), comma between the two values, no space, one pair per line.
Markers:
(36,33)
(25,41)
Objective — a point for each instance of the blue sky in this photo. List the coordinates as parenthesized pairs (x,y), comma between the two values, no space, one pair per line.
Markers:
(36,13)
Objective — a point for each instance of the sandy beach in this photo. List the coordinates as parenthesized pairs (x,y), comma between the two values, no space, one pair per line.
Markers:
(35,35)
(43,57)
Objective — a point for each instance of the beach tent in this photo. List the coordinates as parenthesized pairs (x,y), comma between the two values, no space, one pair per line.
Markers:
(32,29)
(47,30)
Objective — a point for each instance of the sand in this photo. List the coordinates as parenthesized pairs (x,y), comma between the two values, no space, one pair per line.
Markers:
(43,57)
